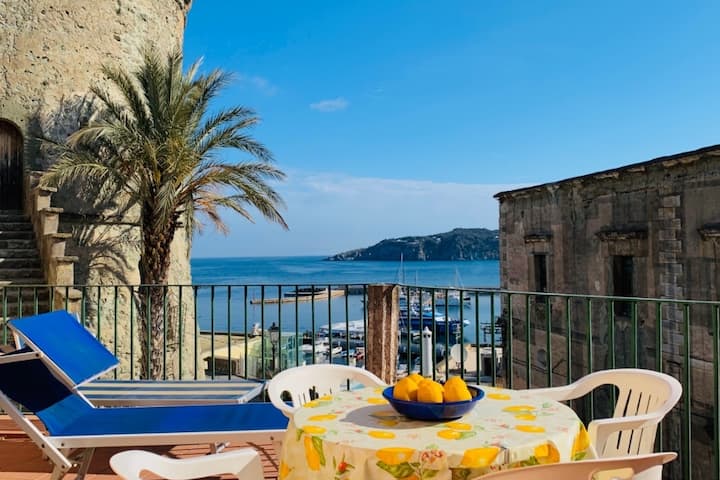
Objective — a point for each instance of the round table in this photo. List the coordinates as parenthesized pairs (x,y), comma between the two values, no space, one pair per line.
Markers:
(357,434)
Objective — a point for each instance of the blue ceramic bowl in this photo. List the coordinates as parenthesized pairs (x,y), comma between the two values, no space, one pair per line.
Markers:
(433,411)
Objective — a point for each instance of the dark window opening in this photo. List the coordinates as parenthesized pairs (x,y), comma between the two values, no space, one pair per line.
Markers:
(623,283)
(541,276)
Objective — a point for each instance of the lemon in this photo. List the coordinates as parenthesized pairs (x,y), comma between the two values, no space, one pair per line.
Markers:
(547,453)
(416,376)
(498,396)
(479,457)
(322,418)
(313,456)
(406,389)
(283,470)
(430,391)
(530,428)
(394,455)
(314,429)
(455,379)
(458,426)
(582,441)
(520,409)
(449,434)
(456,390)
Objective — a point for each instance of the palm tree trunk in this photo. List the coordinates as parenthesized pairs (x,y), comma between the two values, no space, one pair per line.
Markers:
(153,267)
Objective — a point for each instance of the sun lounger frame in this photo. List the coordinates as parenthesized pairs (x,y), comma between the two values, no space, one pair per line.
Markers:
(109,393)
(66,451)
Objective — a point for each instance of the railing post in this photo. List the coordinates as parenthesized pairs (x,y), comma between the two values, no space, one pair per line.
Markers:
(383,330)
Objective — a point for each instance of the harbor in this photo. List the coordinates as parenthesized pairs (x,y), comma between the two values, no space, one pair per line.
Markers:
(261,353)
(310,326)
(306,294)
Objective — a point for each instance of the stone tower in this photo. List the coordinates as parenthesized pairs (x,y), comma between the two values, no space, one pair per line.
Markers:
(51,52)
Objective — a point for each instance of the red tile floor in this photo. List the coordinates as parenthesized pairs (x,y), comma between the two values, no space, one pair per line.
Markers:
(20,459)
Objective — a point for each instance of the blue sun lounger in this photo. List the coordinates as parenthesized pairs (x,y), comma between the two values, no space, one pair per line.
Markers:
(75,427)
(78,347)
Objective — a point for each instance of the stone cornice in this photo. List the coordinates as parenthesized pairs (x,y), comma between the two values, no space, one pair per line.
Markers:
(666,162)
(538,237)
(622,234)
(710,231)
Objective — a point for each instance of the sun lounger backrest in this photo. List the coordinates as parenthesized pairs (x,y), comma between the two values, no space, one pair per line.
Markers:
(32,385)
(73,352)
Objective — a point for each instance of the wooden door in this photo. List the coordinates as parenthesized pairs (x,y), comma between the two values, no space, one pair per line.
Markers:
(11,167)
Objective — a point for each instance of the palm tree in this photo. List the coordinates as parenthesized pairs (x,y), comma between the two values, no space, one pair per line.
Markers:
(155,140)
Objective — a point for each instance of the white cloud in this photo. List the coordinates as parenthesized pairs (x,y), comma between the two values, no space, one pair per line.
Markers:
(330,105)
(329,214)
(257,82)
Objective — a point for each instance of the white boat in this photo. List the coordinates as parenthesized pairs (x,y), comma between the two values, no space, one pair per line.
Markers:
(321,347)
(354,329)
(453,298)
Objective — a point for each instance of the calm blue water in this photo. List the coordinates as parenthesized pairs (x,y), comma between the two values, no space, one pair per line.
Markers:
(307,270)
(239,280)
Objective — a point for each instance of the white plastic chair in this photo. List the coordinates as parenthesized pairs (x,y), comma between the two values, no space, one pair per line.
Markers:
(308,382)
(640,467)
(243,463)
(644,397)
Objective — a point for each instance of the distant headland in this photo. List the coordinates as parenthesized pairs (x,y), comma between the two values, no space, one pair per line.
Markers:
(457,244)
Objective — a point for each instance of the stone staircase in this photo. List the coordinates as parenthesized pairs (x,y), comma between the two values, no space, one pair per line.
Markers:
(23,288)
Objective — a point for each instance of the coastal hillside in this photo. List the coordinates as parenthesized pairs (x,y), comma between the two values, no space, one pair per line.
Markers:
(458,244)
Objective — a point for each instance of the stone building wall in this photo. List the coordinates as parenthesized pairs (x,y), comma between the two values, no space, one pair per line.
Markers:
(51,52)
(664,214)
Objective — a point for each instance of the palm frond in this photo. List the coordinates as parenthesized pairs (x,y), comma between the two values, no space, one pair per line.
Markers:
(158,139)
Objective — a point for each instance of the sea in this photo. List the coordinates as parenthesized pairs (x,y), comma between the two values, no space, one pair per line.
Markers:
(230,290)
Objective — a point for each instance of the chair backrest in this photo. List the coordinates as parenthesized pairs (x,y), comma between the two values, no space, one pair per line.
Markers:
(25,379)
(243,463)
(644,397)
(70,350)
(641,467)
(308,382)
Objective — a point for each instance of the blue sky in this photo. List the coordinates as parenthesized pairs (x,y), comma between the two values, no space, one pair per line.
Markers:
(404,117)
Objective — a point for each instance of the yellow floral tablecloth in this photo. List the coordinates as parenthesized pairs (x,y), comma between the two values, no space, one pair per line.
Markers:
(358,435)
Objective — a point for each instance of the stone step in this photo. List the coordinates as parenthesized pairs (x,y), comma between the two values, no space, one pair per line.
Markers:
(19,275)
(14,311)
(14,218)
(21,282)
(26,293)
(21,262)
(16,227)
(17,252)
(18,244)
(16,234)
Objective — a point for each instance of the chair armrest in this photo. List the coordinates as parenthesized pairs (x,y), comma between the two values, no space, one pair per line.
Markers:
(600,430)
(559,394)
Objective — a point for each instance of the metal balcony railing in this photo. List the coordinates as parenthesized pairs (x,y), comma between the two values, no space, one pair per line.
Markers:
(488,335)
